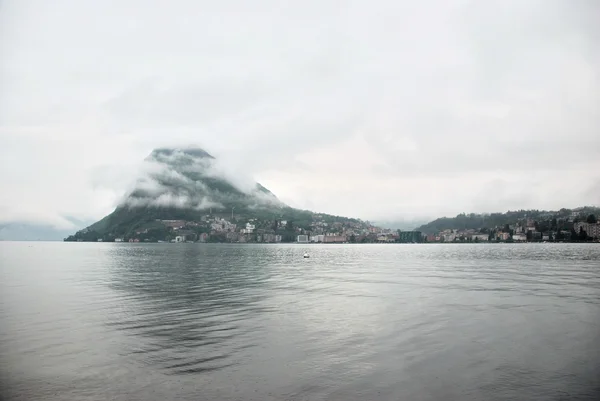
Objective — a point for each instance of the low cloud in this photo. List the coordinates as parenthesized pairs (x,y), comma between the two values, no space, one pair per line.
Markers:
(173,200)
(40,218)
(174,178)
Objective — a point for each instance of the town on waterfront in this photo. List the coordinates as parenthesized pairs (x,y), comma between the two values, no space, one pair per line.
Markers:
(526,226)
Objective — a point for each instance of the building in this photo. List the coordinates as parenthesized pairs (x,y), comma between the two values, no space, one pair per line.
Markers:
(232,236)
(317,238)
(565,235)
(449,237)
(385,238)
(303,239)
(332,239)
(501,237)
(480,237)
(271,238)
(185,236)
(407,237)
(592,230)
(519,237)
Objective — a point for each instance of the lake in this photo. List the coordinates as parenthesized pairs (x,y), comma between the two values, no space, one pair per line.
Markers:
(87,321)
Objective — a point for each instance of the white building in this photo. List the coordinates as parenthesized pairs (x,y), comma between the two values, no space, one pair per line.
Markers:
(592,230)
(449,237)
(519,237)
(480,237)
(334,238)
(317,238)
(503,236)
(302,239)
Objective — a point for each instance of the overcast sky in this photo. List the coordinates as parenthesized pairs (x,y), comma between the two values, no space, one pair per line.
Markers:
(380,109)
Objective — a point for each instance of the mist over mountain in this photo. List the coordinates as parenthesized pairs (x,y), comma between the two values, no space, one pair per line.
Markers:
(188,184)
(191,178)
(400,224)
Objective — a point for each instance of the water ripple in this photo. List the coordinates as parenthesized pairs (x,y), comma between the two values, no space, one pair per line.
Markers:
(179,322)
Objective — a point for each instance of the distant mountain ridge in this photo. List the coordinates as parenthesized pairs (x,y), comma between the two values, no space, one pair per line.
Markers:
(490,220)
(399,224)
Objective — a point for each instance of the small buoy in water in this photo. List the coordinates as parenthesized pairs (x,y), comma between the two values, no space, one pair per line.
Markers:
(306,255)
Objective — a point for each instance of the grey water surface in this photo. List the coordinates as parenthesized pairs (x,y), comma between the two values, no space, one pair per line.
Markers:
(81,321)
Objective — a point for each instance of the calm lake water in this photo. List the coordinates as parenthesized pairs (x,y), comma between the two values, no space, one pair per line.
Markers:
(258,322)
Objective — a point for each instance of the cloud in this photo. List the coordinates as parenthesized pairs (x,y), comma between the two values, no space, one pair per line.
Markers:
(384,109)
(174,166)
(35,218)
(174,200)
(176,177)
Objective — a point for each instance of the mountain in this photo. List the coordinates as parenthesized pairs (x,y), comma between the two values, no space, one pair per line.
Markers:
(191,185)
(400,224)
(561,219)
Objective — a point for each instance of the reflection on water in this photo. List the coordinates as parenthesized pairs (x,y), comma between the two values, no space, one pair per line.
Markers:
(194,309)
(251,322)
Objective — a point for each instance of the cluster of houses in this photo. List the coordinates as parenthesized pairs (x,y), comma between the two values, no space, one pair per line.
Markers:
(321,230)
(471,235)
(520,233)
(254,230)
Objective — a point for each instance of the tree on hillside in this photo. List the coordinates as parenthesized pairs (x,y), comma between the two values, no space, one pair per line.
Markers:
(591,219)
(574,235)
(544,226)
